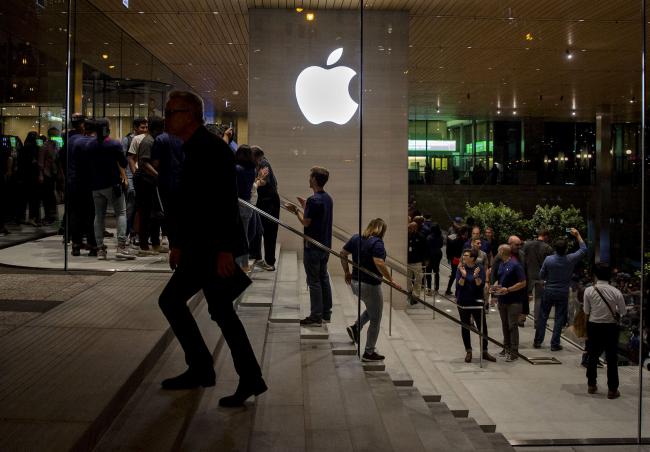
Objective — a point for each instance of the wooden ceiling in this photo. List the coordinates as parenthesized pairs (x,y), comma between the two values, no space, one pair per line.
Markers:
(466,57)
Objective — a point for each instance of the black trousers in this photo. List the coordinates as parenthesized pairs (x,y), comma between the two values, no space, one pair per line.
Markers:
(272,207)
(190,277)
(466,316)
(434,267)
(149,227)
(82,216)
(602,337)
(452,277)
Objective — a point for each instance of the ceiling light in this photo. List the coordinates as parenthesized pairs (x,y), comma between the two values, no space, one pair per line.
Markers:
(573,113)
(299,10)
(437,109)
(498,112)
(112,66)
(104,56)
(628,151)
(24,61)
(529,37)
(569,55)
(170,43)
(514,112)
(310,16)
(235,93)
(215,12)
(140,12)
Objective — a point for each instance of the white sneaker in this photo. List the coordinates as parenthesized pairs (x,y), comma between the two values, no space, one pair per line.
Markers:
(123,252)
(164,242)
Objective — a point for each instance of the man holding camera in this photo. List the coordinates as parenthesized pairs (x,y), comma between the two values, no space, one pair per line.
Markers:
(556,273)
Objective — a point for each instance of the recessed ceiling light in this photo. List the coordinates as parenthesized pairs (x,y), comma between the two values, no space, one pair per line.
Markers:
(569,55)
(112,66)
(310,16)
(104,56)
(170,43)
(140,12)
(235,93)
(299,10)
(215,12)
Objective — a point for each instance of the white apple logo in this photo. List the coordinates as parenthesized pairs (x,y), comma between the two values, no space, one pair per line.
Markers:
(323,95)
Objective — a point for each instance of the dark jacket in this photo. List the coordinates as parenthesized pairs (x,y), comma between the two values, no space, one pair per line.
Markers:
(104,157)
(204,213)
(417,250)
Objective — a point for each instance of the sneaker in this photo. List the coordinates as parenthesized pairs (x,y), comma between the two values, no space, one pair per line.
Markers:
(613,394)
(511,357)
(592,389)
(536,345)
(448,292)
(372,357)
(353,333)
(468,357)
(101,254)
(309,321)
(503,353)
(264,266)
(556,348)
(146,253)
(92,252)
(327,319)
(123,252)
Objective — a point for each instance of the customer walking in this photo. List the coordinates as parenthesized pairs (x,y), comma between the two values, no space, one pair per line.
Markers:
(202,253)
(367,251)
(317,221)
(510,282)
(470,282)
(603,304)
(556,273)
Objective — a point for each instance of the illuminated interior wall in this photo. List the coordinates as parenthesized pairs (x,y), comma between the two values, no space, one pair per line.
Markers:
(282,44)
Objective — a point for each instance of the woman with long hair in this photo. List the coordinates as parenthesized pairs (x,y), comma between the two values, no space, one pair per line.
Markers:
(367,251)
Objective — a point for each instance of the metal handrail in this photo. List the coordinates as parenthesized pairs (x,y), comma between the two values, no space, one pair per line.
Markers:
(374,275)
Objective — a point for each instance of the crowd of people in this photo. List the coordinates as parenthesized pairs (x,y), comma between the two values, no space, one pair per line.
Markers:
(31,180)
(510,276)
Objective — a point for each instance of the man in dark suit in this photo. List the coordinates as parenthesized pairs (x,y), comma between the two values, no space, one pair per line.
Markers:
(205,233)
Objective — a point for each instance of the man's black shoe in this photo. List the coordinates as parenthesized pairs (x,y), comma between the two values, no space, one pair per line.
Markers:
(448,292)
(92,252)
(353,333)
(189,380)
(536,345)
(309,321)
(556,348)
(243,392)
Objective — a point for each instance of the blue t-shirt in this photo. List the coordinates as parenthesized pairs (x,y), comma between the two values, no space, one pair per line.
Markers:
(319,209)
(168,150)
(468,293)
(510,273)
(370,248)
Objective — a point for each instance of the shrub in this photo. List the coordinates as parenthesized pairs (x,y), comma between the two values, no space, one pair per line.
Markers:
(556,220)
(504,220)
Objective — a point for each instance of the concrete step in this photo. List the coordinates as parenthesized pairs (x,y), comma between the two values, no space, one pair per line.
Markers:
(448,423)
(286,305)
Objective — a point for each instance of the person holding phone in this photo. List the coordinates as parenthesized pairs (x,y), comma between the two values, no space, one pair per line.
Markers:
(470,282)
(556,273)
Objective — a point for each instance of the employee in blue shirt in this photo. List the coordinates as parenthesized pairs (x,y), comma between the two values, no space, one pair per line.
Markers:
(556,273)
(317,222)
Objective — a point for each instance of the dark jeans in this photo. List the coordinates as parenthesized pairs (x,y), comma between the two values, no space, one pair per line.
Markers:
(190,277)
(34,200)
(82,216)
(509,314)
(561,304)
(318,280)
(452,277)
(48,197)
(603,337)
(434,267)
(466,316)
(149,228)
(272,207)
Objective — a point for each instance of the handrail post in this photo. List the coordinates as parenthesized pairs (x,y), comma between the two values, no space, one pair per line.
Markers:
(390,306)
(480,339)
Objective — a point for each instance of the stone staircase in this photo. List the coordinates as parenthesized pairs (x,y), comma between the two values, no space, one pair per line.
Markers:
(320,398)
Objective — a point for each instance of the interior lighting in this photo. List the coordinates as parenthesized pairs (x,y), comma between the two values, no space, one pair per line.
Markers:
(299,10)
(569,55)
(628,151)
(529,37)
(104,56)
(573,113)
(514,112)
(170,43)
(310,16)
(112,66)
(498,112)
(24,61)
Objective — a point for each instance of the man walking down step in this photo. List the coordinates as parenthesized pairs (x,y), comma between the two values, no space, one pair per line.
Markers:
(556,273)
(204,238)
(317,220)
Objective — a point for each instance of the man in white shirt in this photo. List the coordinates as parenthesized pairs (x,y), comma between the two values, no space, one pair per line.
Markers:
(602,303)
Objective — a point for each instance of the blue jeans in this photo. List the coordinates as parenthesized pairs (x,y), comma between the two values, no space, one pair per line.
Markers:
(318,280)
(561,303)
(102,198)
(372,297)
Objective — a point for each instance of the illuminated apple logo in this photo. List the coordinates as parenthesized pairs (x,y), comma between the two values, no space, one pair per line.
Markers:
(323,94)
